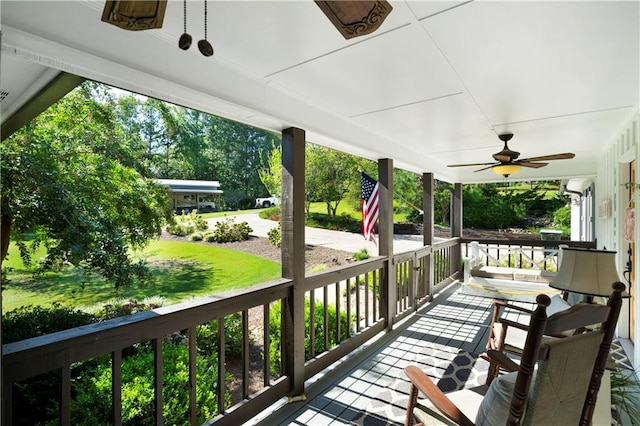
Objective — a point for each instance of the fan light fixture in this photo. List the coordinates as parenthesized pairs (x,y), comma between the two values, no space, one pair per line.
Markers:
(506,169)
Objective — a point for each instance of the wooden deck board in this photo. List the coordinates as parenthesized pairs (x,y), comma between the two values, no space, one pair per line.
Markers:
(370,387)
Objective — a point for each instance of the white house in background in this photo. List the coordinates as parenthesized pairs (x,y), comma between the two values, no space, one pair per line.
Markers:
(188,195)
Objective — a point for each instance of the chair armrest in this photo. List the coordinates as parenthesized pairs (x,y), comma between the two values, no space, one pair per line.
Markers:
(504,361)
(436,396)
(504,304)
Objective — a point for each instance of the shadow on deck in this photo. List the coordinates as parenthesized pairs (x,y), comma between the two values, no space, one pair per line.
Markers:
(369,387)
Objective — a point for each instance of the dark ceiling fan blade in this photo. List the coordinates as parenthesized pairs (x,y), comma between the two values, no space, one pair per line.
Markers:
(471,164)
(505,157)
(563,156)
(530,164)
(487,168)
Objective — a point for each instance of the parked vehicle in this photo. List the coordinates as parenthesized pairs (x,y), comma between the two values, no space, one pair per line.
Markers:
(267,202)
(187,205)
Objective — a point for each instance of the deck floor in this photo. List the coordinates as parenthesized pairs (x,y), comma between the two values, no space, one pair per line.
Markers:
(370,387)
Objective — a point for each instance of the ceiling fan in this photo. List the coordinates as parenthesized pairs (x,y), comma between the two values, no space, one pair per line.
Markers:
(507,162)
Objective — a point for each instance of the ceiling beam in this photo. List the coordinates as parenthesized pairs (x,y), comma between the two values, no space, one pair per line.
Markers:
(50,94)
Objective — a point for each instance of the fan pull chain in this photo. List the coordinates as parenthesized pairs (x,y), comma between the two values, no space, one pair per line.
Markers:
(203,45)
(185,39)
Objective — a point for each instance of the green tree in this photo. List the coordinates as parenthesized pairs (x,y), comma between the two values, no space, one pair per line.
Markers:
(271,171)
(70,178)
(407,190)
(330,175)
(442,202)
(243,149)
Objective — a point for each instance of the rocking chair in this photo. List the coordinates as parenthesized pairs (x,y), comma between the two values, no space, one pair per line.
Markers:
(561,389)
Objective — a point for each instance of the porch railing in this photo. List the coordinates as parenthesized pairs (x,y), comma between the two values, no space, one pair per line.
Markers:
(342,312)
(525,254)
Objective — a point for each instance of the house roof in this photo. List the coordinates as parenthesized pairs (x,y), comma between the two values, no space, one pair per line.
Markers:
(434,85)
(191,186)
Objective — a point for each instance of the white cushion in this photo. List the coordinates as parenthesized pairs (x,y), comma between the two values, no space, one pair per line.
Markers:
(494,409)
(558,304)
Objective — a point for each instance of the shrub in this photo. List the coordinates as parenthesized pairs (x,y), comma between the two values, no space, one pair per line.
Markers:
(207,336)
(92,404)
(342,222)
(362,254)
(562,217)
(196,236)
(186,224)
(275,235)
(120,308)
(38,395)
(272,213)
(490,212)
(31,321)
(274,331)
(227,231)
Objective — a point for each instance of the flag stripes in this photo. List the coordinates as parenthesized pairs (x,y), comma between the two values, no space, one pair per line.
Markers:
(369,198)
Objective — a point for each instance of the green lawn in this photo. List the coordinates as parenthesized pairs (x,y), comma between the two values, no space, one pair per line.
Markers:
(347,208)
(183,270)
(228,213)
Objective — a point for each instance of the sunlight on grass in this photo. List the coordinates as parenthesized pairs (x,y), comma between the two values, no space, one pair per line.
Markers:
(228,213)
(347,208)
(182,270)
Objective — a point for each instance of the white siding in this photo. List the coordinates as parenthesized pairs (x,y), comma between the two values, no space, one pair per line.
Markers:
(612,183)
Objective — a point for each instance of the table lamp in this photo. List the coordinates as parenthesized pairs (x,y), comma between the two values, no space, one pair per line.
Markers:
(588,272)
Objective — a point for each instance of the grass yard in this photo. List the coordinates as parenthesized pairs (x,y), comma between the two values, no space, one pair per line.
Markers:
(227,213)
(182,270)
(345,207)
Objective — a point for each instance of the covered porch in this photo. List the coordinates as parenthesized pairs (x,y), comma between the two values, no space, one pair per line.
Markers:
(404,308)
(435,86)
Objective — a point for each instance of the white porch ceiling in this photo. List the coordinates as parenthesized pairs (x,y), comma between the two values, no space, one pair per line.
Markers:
(433,86)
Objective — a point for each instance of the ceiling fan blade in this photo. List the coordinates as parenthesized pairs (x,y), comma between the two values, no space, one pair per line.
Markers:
(563,156)
(486,168)
(470,164)
(530,164)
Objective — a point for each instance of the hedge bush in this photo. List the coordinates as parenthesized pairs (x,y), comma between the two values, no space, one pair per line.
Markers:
(92,402)
(37,398)
(275,235)
(227,231)
(31,321)
(276,342)
(186,224)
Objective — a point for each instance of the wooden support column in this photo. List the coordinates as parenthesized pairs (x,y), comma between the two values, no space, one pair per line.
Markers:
(293,244)
(456,211)
(456,226)
(388,295)
(428,189)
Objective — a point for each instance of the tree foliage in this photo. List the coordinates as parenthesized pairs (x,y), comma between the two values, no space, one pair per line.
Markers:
(330,175)
(71,179)
(271,171)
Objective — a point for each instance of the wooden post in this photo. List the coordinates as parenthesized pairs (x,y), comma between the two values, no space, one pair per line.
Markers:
(292,243)
(428,189)
(456,227)
(385,236)
(456,211)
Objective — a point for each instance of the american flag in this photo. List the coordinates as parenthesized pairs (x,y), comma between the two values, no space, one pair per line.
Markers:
(369,194)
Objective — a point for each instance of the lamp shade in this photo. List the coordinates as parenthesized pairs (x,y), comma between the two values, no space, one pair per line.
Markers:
(589,272)
(506,169)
